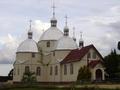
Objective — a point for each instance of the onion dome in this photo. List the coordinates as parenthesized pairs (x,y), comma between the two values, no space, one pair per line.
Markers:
(53,33)
(74,34)
(29,45)
(66,43)
(81,42)
(53,21)
(66,29)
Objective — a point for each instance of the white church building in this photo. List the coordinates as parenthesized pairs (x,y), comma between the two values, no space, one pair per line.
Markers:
(56,57)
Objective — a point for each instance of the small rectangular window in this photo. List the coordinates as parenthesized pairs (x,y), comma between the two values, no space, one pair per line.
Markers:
(56,70)
(33,55)
(38,71)
(48,44)
(71,68)
(65,69)
(53,53)
(51,69)
(27,69)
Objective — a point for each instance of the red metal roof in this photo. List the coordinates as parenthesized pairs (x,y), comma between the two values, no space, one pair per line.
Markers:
(78,54)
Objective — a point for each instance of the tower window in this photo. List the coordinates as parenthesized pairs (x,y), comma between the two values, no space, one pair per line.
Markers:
(94,55)
(38,71)
(71,68)
(33,55)
(65,69)
(48,44)
(53,53)
(51,69)
(27,69)
(56,70)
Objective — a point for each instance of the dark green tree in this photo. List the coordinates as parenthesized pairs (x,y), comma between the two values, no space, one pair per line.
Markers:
(118,45)
(84,74)
(10,74)
(29,77)
(112,62)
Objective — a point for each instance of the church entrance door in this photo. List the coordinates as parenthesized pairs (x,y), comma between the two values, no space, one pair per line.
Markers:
(98,75)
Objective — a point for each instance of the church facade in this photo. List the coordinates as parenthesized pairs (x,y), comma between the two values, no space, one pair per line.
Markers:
(56,57)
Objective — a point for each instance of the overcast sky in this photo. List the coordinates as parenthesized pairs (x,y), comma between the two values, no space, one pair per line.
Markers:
(99,20)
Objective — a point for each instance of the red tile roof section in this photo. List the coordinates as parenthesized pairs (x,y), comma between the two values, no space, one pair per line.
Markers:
(93,63)
(78,54)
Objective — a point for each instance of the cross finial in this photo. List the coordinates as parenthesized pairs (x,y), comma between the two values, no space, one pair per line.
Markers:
(30,23)
(74,34)
(81,34)
(66,18)
(53,7)
(73,31)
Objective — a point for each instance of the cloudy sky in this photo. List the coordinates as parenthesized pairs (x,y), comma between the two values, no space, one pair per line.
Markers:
(99,20)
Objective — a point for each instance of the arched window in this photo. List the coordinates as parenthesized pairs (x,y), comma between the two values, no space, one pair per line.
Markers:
(38,71)
(51,70)
(65,69)
(71,68)
(27,69)
(56,70)
(48,44)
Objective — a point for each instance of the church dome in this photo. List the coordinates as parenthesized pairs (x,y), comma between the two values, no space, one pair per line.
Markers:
(66,43)
(53,33)
(29,45)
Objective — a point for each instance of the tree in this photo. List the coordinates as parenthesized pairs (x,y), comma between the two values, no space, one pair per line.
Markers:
(29,77)
(112,62)
(118,45)
(84,74)
(10,74)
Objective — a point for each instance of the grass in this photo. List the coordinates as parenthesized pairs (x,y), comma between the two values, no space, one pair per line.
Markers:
(37,87)
(60,89)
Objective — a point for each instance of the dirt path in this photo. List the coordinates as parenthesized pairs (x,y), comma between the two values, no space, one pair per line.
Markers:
(110,86)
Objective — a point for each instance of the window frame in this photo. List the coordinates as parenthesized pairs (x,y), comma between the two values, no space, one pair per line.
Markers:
(65,69)
(48,44)
(56,70)
(71,68)
(51,70)
(33,55)
(27,69)
(94,55)
(38,71)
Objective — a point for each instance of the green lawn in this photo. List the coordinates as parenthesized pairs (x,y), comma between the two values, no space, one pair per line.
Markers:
(37,87)
(59,89)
